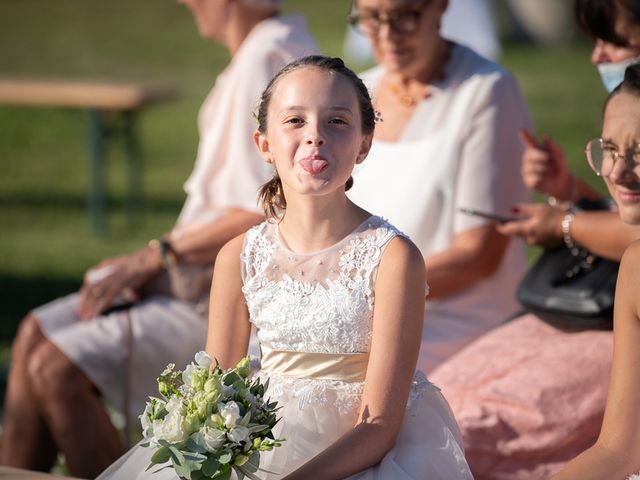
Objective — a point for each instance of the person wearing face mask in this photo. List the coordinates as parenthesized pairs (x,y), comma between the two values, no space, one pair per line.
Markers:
(527,396)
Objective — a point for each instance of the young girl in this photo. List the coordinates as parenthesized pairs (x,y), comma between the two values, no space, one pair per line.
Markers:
(616,157)
(308,279)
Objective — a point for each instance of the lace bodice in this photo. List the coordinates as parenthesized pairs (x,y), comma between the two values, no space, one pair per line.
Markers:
(320,302)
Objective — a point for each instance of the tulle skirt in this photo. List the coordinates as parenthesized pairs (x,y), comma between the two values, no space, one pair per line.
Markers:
(316,413)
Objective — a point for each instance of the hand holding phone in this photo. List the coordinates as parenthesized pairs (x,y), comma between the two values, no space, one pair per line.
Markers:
(491,216)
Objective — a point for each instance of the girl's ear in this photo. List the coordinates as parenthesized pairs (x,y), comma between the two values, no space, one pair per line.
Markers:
(364,148)
(262,142)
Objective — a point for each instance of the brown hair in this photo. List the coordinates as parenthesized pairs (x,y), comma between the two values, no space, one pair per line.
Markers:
(271,195)
(596,18)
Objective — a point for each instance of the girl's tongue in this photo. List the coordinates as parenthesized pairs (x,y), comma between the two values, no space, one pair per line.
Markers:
(314,166)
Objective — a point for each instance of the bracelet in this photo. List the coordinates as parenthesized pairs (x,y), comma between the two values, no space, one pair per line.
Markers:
(566,232)
(167,255)
(567,204)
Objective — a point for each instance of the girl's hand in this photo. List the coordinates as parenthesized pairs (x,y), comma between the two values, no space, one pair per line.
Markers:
(541,225)
(544,167)
(116,277)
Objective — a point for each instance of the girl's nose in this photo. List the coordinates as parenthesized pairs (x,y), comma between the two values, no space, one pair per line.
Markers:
(315,137)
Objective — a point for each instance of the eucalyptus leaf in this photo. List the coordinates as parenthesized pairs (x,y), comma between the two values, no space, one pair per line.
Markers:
(247,473)
(193,446)
(210,466)
(162,455)
(223,474)
(231,378)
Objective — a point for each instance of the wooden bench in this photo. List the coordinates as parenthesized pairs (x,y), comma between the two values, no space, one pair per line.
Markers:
(9,473)
(113,108)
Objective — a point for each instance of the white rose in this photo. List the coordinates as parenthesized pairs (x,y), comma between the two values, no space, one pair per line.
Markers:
(211,439)
(230,412)
(238,434)
(170,429)
(175,405)
(203,359)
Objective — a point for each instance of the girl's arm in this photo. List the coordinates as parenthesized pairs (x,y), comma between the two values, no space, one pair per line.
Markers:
(229,327)
(397,330)
(616,454)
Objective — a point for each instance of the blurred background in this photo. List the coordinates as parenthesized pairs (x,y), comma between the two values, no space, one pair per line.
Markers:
(46,242)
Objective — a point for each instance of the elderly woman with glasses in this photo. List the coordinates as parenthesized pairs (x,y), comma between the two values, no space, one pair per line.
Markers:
(448,139)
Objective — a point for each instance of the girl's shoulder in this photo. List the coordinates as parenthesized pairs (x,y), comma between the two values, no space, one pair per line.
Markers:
(399,249)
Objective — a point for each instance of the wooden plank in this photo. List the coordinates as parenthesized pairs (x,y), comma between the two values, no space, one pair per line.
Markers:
(72,94)
(19,474)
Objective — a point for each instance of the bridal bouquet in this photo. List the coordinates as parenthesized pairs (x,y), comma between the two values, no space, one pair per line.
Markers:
(209,421)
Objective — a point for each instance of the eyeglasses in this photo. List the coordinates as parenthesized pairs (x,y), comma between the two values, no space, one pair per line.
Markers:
(602,156)
(401,20)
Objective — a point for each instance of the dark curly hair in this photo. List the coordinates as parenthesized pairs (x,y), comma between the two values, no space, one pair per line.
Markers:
(271,195)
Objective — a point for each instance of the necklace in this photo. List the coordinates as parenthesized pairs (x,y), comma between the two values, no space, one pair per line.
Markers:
(406,98)
(410,99)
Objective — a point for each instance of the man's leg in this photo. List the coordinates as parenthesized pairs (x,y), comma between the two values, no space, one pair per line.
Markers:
(73,411)
(26,440)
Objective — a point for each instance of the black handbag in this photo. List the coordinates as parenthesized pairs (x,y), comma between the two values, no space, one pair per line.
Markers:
(571,292)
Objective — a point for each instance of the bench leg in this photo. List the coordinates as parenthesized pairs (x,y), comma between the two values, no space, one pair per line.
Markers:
(96,195)
(134,165)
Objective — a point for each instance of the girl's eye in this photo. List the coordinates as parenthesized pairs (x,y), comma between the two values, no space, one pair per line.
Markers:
(338,121)
(294,120)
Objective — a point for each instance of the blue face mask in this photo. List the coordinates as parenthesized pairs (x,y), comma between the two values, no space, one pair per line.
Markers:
(612,74)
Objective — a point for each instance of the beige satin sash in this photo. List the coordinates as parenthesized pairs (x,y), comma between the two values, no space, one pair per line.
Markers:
(349,367)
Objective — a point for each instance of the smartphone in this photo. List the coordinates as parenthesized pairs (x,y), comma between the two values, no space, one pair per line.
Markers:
(491,216)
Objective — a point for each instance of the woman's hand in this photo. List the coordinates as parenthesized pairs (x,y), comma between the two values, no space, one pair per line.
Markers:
(116,277)
(541,225)
(544,167)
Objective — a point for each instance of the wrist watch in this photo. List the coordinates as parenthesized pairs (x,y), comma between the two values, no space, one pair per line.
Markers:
(167,255)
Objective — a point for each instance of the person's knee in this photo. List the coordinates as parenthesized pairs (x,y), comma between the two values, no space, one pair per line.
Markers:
(28,337)
(53,375)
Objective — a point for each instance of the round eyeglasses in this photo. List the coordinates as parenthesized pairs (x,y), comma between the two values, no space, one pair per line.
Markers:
(603,155)
(404,20)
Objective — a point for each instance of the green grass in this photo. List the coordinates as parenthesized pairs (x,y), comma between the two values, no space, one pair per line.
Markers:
(46,245)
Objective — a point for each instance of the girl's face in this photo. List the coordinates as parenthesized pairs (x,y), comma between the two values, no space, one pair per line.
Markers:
(621,130)
(398,50)
(314,132)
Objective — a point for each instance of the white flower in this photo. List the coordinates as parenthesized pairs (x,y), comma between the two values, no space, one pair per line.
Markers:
(230,412)
(188,374)
(203,359)
(211,439)
(168,369)
(175,404)
(170,429)
(238,434)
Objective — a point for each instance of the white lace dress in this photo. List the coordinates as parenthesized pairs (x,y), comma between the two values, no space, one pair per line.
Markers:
(314,314)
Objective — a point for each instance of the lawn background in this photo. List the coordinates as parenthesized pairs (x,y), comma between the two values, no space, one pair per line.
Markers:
(45,242)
